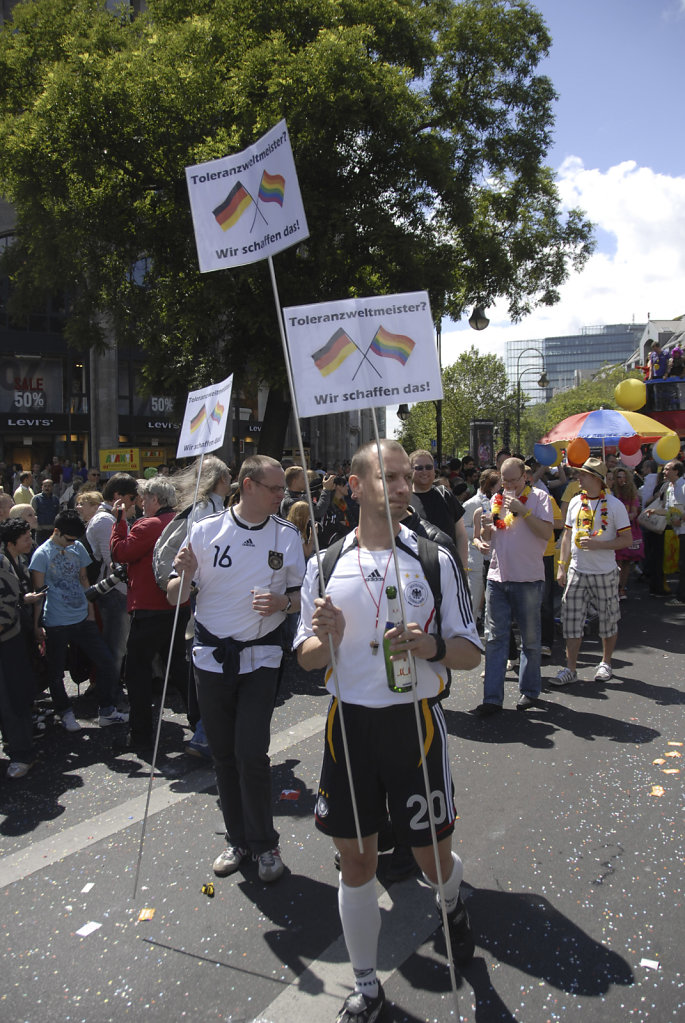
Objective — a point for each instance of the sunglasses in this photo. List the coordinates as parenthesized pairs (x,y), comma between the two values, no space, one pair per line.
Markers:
(422,468)
(274,490)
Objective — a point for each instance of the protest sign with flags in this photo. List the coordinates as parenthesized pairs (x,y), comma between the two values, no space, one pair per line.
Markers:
(385,353)
(248,206)
(204,422)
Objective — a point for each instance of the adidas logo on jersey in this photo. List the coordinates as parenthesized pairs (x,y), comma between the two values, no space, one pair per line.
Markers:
(374,577)
(248,543)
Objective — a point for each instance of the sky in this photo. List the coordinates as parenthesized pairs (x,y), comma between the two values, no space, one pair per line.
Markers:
(619,155)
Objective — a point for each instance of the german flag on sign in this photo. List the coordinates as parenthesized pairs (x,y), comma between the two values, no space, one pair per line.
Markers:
(232,208)
(334,352)
(197,420)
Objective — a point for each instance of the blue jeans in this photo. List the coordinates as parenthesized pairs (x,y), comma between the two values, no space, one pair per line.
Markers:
(115,626)
(88,638)
(504,602)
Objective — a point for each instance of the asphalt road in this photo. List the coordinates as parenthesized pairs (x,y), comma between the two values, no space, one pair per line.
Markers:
(569,830)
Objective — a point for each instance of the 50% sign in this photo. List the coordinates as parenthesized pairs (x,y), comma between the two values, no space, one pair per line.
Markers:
(29,399)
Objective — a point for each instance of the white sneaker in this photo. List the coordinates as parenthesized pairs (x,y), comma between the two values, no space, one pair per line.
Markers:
(545,651)
(69,721)
(117,717)
(564,677)
(270,865)
(512,665)
(604,672)
(228,861)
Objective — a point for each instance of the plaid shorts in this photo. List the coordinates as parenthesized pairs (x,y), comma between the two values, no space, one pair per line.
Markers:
(582,590)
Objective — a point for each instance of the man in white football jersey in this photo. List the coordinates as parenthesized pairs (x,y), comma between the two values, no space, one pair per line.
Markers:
(380,724)
(247,564)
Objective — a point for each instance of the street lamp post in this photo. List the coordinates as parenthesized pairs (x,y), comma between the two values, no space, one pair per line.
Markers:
(542,382)
(477,321)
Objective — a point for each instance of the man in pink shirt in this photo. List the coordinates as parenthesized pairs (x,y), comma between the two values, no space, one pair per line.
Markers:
(518,528)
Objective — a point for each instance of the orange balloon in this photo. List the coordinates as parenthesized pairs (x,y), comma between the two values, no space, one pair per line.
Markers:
(578,451)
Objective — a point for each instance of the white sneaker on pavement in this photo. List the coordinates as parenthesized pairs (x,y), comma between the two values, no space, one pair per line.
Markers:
(116,717)
(228,861)
(604,672)
(270,865)
(69,721)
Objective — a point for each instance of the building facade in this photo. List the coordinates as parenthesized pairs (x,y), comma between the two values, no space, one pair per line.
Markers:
(570,358)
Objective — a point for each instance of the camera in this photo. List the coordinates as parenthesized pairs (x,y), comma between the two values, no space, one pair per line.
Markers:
(106,585)
(340,481)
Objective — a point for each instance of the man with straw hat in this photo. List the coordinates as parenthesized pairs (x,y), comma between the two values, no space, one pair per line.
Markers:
(597,525)
(380,724)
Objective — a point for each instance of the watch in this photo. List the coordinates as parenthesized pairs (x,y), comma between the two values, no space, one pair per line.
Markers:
(440,651)
(288,605)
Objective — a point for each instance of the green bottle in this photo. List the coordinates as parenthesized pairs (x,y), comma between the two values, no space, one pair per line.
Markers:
(397,672)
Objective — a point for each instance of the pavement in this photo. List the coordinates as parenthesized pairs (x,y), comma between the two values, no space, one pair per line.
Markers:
(569,827)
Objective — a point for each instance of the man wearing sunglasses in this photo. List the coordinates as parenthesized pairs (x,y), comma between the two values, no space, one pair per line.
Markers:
(437,504)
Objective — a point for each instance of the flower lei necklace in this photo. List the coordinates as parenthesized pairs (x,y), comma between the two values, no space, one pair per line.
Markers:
(498,501)
(586,516)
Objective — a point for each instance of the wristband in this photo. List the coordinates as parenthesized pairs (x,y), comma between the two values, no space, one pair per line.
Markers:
(441,649)
(526,514)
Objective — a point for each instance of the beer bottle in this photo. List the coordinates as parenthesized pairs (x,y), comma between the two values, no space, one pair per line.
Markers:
(397,672)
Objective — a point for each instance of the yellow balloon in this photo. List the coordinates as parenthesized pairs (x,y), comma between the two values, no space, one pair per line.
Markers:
(631,394)
(559,446)
(668,447)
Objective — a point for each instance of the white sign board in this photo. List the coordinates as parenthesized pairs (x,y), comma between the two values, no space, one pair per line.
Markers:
(363,352)
(204,422)
(247,206)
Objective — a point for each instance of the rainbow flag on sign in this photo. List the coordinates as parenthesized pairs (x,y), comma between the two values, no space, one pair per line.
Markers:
(392,346)
(334,352)
(217,412)
(272,188)
(232,208)
(198,420)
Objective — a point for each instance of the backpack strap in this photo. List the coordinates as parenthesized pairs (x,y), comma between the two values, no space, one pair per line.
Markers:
(429,559)
(430,563)
(330,559)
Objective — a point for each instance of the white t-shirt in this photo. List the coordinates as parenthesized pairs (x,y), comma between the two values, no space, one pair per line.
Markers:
(596,562)
(675,495)
(233,558)
(357,584)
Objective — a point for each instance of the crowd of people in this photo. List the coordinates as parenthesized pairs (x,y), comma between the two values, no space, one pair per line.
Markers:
(219,578)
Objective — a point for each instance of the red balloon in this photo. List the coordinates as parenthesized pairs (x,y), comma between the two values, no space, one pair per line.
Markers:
(629,445)
(578,451)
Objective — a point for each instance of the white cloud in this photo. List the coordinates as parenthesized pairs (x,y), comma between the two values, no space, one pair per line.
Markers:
(638,268)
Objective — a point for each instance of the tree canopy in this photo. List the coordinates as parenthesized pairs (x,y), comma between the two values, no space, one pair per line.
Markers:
(475,387)
(419,131)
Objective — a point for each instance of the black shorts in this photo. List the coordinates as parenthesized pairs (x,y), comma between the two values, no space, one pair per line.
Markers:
(386,768)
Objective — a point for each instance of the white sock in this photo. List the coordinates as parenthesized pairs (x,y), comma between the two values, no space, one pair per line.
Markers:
(452,885)
(361,923)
